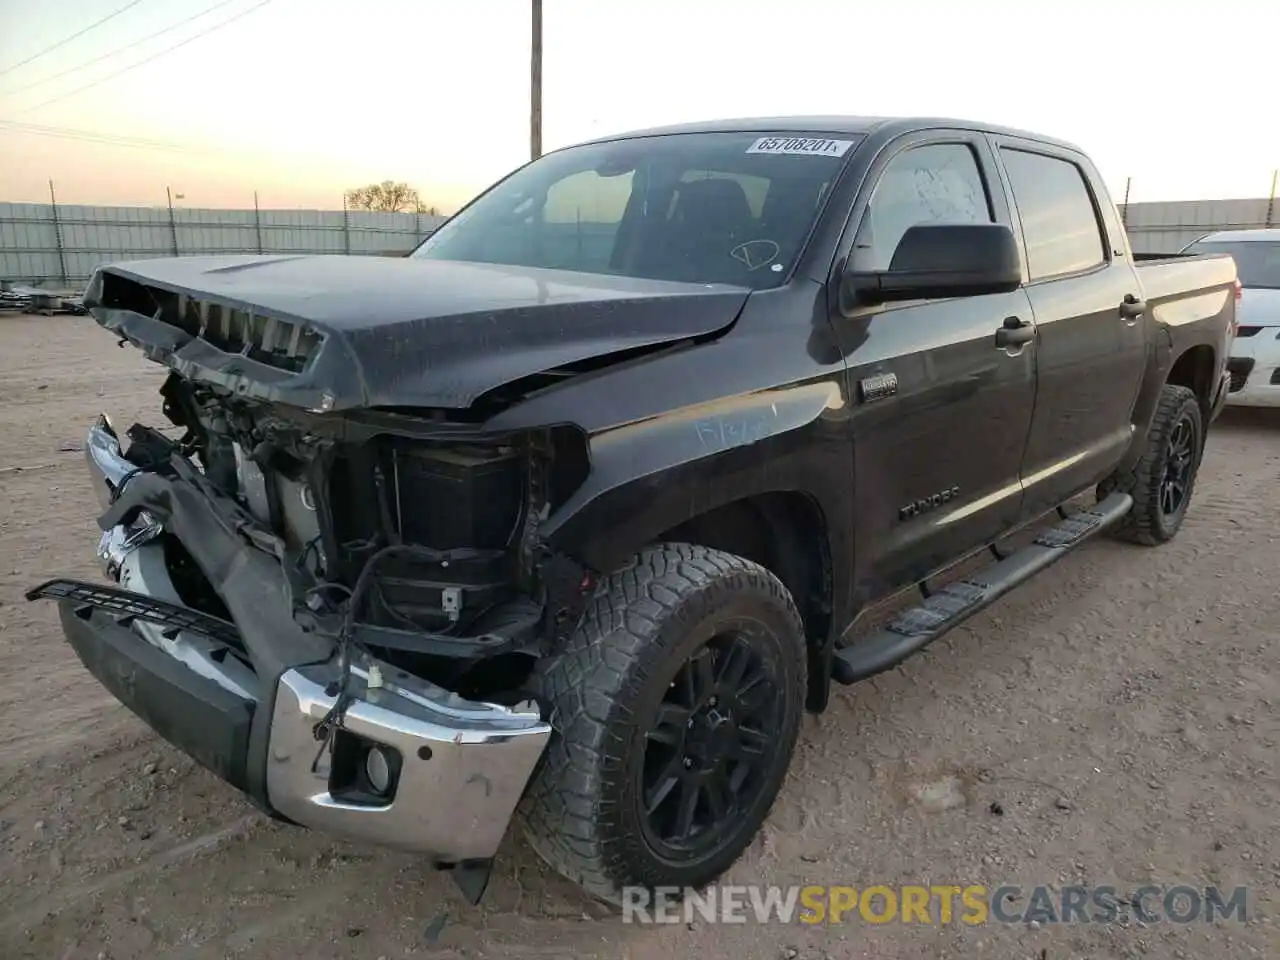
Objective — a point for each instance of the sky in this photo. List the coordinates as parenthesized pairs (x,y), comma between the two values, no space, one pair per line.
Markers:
(299,100)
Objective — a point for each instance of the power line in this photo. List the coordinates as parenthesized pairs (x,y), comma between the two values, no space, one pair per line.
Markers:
(142,143)
(66,40)
(119,50)
(146,60)
(110,139)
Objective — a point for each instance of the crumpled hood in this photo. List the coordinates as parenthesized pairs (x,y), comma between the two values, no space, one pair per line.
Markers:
(339,332)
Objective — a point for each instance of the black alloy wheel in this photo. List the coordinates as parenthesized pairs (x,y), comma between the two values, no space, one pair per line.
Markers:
(705,750)
(675,706)
(1163,480)
(1177,467)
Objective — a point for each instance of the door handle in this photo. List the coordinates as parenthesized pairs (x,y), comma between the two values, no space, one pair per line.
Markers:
(1014,331)
(1131,307)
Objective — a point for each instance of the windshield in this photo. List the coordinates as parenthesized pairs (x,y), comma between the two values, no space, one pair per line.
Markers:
(696,207)
(1257,261)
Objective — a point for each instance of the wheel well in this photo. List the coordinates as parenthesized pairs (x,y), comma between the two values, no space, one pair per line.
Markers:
(783,532)
(1194,370)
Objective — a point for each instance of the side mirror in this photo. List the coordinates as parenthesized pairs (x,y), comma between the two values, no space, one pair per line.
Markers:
(936,260)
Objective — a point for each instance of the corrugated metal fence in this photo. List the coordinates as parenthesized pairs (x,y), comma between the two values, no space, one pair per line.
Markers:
(58,246)
(1168,227)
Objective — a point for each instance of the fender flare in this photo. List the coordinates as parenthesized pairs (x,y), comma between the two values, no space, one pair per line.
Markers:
(651,476)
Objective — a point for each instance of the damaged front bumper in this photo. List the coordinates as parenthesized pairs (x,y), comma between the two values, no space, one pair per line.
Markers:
(249,699)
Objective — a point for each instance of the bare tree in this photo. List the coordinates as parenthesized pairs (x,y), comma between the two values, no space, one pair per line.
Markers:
(386,197)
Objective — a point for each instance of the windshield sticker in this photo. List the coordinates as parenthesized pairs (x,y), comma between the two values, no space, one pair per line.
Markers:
(811,146)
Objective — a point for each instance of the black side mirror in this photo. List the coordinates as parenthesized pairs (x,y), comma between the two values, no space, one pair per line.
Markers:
(938,260)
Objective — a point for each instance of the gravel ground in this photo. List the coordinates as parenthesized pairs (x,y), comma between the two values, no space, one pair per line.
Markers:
(1114,722)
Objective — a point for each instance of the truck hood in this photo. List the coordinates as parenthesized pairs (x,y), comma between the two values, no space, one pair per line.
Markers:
(339,332)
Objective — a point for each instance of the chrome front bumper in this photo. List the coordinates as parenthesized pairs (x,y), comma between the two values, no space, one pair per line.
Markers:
(463,765)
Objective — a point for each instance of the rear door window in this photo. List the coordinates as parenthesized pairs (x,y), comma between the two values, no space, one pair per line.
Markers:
(1060,224)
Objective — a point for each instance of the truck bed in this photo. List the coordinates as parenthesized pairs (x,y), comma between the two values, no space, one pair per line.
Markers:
(1167,277)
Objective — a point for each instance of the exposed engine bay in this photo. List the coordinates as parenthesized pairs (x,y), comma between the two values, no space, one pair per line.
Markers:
(336,577)
(409,537)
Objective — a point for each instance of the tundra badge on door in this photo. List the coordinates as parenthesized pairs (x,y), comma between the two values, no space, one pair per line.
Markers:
(924,505)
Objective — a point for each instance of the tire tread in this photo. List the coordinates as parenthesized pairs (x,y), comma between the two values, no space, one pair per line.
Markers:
(1142,525)
(563,815)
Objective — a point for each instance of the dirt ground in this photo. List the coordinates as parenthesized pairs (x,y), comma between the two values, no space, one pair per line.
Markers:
(1114,722)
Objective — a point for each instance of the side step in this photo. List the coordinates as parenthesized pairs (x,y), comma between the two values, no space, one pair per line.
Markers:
(914,629)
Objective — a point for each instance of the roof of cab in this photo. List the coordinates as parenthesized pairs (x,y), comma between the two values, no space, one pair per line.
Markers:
(826,124)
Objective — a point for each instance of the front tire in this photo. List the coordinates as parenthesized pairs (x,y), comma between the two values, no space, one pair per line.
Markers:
(675,709)
(1162,483)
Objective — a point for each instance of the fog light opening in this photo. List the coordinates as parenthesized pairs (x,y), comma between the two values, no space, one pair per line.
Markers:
(377,768)
(363,772)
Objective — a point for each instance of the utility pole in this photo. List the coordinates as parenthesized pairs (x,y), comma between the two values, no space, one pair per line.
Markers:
(57,233)
(535,84)
(1271,200)
(173,224)
(257,220)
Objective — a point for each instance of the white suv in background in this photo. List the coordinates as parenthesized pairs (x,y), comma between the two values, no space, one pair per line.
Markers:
(1255,358)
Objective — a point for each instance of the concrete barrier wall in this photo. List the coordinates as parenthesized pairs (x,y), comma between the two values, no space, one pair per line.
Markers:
(59,246)
(1168,227)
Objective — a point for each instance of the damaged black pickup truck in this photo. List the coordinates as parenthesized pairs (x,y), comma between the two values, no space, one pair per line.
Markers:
(565,518)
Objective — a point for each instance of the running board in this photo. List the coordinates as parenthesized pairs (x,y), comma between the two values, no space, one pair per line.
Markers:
(914,629)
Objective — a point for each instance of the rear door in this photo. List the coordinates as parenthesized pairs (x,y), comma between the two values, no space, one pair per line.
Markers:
(1090,321)
(941,414)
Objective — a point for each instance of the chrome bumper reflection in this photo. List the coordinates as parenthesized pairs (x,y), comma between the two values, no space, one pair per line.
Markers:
(464,764)
(108,469)
(130,557)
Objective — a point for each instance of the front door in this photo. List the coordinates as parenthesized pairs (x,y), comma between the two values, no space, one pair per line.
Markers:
(937,459)
(1091,341)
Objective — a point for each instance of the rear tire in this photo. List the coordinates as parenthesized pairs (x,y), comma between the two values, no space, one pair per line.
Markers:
(675,709)
(1164,479)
